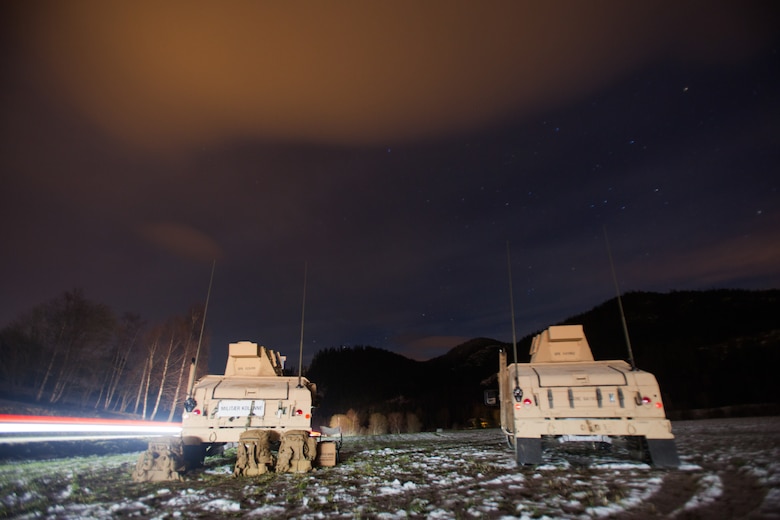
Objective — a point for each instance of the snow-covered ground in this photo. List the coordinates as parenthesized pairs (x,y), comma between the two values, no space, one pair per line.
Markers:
(731,468)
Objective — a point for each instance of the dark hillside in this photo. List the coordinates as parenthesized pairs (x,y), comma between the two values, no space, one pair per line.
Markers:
(364,379)
(464,354)
(443,392)
(708,349)
(457,380)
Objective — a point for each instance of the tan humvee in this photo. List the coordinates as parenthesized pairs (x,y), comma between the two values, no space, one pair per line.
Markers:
(564,393)
(252,404)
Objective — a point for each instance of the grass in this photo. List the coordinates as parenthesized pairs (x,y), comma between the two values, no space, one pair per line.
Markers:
(28,487)
(460,473)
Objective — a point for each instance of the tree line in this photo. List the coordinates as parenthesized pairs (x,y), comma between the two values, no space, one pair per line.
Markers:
(375,423)
(71,351)
(74,352)
(384,392)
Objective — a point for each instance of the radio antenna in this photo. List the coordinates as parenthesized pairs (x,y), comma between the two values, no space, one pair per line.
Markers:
(194,366)
(512,312)
(303,311)
(620,303)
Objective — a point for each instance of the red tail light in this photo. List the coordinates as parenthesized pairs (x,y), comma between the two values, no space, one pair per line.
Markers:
(196,411)
(645,400)
(527,402)
(298,412)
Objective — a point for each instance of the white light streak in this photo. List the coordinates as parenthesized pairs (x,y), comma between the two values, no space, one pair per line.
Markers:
(17,428)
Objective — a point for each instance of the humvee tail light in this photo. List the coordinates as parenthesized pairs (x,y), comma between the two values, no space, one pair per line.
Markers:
(527,402)
(298,412)
(647,400)
(640,399)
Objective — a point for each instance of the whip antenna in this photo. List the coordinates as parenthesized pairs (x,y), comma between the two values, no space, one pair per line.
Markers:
(620,303)
(303,311)
(512,312)
(200,337)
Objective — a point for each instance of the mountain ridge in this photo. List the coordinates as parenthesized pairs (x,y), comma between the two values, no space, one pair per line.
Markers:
(707,349)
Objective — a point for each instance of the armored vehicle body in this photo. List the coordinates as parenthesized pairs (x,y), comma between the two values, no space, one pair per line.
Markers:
(564,393)
(252,404)
(253,394)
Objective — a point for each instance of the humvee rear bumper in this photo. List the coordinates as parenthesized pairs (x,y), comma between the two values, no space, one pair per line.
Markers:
(649,428)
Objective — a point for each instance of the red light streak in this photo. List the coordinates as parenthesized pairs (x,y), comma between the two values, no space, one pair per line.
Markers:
(17,428)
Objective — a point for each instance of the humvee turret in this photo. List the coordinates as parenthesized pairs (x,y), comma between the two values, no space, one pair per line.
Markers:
(565,394)
(252,404)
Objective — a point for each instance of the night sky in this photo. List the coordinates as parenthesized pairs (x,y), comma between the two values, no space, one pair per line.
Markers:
(394,148)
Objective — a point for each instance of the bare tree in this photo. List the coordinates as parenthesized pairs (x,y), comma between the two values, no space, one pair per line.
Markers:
(413,423)
(72,329)
(20,347)
(344,422)
(53,325)
(125,339)
(354,417)
(72,349)
(131,388)
(152,342)
(395,421)
(377,424)
(172,341)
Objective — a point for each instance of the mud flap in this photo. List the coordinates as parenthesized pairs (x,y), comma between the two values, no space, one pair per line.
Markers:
(194,455)
(663,453)
(162,461)
(528,450)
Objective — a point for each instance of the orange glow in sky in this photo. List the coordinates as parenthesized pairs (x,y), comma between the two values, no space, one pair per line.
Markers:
(188,73)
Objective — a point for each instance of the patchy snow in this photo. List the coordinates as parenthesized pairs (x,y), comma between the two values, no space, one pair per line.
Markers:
(727,466)
(223,505)
(269,511)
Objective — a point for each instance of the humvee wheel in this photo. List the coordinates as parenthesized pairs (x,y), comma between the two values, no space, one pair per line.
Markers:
(528,450)
(214,449)
(637,448)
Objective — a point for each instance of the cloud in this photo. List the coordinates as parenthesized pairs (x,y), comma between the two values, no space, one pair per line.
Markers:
(732,261)
(162,75)
(181,240)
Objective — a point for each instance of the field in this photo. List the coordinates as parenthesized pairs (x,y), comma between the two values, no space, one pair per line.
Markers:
(730,469)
